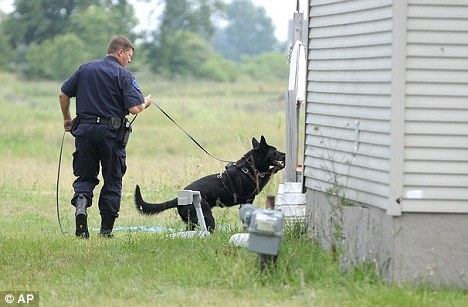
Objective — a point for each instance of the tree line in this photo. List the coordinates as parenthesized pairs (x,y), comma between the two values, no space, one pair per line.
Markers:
(208,39)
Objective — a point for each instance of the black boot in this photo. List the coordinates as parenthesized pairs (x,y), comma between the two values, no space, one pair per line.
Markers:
(81,217)
(107,224)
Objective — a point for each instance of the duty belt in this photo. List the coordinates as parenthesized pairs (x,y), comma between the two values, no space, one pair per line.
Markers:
(95,120)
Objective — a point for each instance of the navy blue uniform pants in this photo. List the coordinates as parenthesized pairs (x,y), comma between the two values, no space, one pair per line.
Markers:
(95,146)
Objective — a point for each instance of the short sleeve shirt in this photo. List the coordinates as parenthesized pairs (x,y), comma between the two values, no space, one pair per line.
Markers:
(103,88)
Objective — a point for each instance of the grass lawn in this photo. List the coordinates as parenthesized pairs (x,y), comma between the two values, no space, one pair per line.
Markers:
(150,268)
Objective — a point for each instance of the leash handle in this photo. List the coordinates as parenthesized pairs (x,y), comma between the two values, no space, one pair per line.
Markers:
(195,141)
(133,119)
(58,182)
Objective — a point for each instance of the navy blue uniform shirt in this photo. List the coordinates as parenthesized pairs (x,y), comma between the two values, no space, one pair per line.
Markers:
(103,88)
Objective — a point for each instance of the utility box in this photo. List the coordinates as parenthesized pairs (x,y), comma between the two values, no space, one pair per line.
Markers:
(265,231)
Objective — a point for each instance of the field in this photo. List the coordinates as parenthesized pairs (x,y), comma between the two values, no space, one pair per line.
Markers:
(143,268)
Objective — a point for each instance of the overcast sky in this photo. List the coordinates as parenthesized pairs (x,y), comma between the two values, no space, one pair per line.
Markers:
(280,11)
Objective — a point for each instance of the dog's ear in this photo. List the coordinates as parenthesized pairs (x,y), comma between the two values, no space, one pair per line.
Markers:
(255,143)
(263,141)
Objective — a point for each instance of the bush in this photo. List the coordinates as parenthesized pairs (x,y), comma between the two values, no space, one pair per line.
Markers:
(219,69)
(266,66)
(187,54)
(56,59)
(5,51)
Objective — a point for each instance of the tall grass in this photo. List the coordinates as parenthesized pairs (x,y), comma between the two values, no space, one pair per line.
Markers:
(151,269)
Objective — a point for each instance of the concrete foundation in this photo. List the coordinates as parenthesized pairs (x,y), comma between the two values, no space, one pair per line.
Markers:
(414,247)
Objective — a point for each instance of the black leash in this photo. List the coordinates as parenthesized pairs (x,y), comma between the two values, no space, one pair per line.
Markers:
(58,181)
(198,144)
(61,150)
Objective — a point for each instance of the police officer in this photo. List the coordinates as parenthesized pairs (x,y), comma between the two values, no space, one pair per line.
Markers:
(105,93)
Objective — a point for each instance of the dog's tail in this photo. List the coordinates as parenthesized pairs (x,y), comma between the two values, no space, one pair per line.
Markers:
(148,208)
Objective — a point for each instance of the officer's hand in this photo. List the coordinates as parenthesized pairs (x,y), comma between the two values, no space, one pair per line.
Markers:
(148,101)
(67,123)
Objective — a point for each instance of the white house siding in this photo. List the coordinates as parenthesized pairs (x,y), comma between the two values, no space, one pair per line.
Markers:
(352,126)
(436,112)
(348,113)
(387,112)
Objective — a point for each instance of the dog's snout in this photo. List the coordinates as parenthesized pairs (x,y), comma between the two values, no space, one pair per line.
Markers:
(281,156)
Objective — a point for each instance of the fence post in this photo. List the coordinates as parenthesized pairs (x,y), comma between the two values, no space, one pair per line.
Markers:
(293,105)
(292,136)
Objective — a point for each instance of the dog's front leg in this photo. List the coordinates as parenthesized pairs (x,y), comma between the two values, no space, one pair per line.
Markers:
(208,215)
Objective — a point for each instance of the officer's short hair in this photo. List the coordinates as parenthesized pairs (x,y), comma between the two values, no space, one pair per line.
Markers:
(119,42)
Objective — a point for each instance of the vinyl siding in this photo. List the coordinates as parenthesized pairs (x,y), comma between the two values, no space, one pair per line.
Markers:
(436,151)
(348,98)
(352,102)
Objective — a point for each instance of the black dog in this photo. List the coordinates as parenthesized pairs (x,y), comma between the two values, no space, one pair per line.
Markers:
(238,184)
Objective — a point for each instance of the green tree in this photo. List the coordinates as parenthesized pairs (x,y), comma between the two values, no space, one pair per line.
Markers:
(5,50)
(36,24)
(34,21)
(56,58)
(248,32)
(196,59)
(190,16)
(95,25)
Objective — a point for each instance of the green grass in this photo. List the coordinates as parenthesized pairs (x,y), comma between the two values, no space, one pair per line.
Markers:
(152,269)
